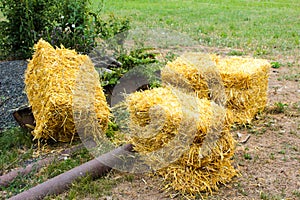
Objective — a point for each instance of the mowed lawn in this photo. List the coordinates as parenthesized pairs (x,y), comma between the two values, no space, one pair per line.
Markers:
(259,28)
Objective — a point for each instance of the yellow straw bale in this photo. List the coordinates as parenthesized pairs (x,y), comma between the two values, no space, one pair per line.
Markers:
(50,79)
(245,81)
(142,105)
(139,105)
(195,170)
(192,174)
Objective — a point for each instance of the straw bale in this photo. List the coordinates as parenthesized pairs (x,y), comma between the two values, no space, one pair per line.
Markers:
(50,80)
(139,105)
(163,110)
(192,174)
(204,165)
(245,81)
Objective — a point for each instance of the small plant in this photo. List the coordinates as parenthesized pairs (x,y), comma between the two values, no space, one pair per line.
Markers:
(296,193)
(247,156)
(171,56)
(264,196)
(236,53)
(137,58)
(290,64)
(280,107)
(275,65)
(260,51)
(112,128)
(282,152)
(112,78)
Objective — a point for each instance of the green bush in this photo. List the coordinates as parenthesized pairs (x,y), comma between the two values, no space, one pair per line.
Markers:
(71,23)
(25,20)
(71,27)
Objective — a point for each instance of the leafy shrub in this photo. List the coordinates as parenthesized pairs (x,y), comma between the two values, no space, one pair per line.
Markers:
(25,20)
(71,28)
(71,23)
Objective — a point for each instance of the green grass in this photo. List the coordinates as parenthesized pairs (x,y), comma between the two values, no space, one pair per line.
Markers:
(88,188)
(1,16)
(16,150)
(15,147)
(261,28)
(22,183)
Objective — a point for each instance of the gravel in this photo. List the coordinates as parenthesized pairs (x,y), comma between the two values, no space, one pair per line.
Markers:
(12,94)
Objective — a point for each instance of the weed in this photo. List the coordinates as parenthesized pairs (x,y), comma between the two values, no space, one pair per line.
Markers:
(290,64)
(264,196)
(137,57)
(141,62)
(280,107)
(282,152)
(129,177)
(236,53)
(292,77)
(247,156)
(112,128)
(296,193)
(276,65)
(260,51)
(171,56)
(241,189)
(284,159)
(295,148)
(272,156)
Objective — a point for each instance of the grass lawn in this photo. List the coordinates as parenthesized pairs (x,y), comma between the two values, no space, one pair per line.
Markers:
(260,28)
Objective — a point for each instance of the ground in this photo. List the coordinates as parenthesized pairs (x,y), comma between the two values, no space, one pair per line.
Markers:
(268,162)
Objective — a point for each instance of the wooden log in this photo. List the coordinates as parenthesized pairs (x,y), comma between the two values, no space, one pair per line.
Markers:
(95,168)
